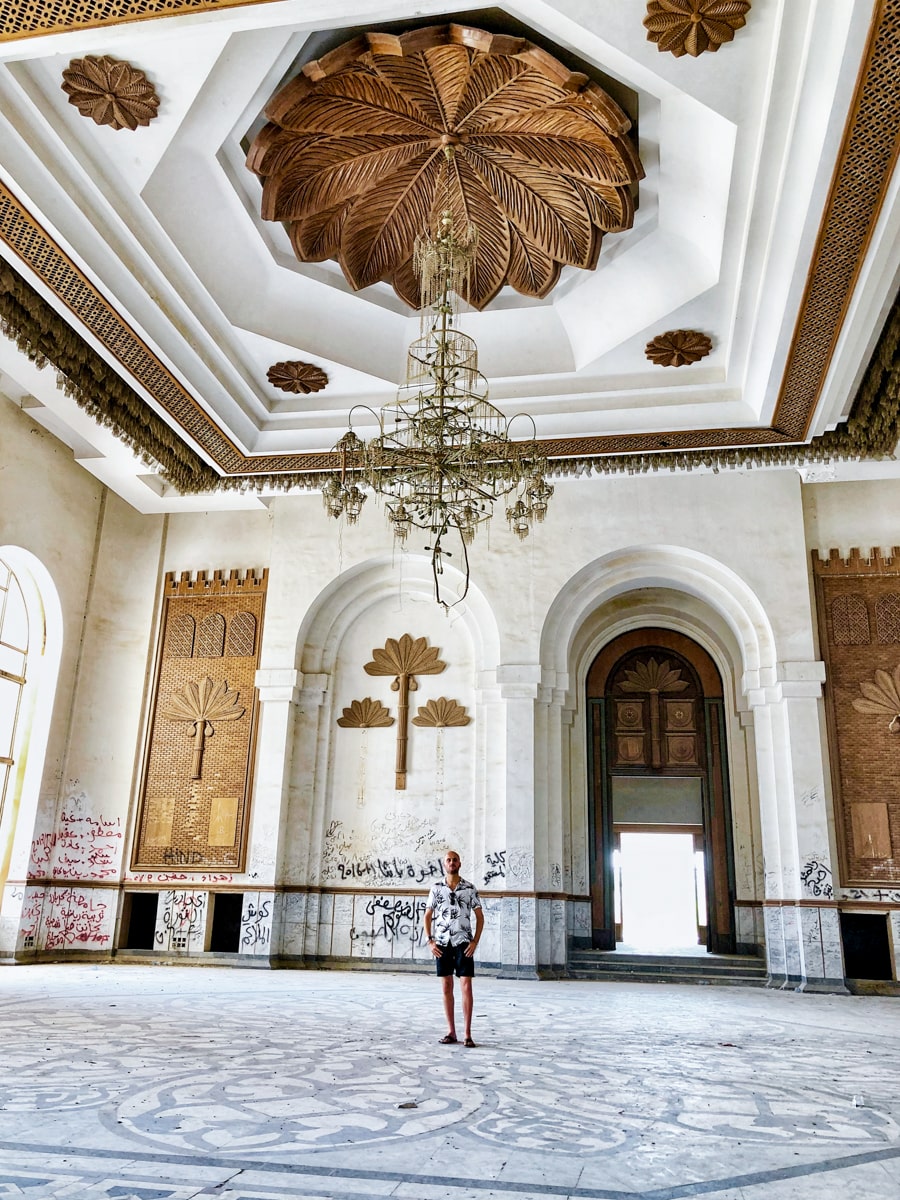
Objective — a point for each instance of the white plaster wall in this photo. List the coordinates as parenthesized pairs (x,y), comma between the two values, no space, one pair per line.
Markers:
(57,522)
(102,766)
(859,514)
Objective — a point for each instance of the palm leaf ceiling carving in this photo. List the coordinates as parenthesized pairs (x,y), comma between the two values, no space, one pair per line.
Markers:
(365,149)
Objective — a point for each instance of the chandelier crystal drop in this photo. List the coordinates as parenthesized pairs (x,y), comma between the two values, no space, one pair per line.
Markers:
(443,453)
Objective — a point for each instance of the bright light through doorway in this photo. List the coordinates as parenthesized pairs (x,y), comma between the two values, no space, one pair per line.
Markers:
(659,892)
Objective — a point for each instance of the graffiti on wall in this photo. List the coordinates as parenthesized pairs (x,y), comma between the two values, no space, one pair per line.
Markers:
(891,895)
(81,847)
(181,919)
(255,924)
(394,870)
(178,877)
(816,879)
(393,849)
(494,866)
(73,918)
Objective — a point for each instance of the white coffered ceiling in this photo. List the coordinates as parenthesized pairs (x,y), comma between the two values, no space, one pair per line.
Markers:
(739,149)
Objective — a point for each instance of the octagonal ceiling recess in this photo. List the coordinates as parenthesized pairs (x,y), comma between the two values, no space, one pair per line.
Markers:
(369,145)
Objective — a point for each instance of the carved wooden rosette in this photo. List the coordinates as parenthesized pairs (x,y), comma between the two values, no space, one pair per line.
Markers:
(110,92)
(404,659)
(693,26)
(302,378)
(197,773)
(678,347)
(366,148)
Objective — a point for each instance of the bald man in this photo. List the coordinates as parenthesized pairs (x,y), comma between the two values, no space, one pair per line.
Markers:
(448,926)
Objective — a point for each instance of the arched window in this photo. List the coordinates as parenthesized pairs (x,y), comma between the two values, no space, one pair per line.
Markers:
(31,630)
(13,665)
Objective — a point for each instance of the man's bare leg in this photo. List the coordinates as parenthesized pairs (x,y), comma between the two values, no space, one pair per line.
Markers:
(465,984)
(449,1004)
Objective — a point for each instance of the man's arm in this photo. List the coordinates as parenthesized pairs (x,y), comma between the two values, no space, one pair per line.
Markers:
(479,925)
(426,922)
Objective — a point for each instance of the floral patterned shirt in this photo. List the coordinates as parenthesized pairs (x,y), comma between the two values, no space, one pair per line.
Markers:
(451,910)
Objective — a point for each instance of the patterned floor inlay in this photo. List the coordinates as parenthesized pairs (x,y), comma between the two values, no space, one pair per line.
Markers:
(171,1084)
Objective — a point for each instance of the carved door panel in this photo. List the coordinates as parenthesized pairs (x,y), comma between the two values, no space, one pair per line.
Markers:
(657,760)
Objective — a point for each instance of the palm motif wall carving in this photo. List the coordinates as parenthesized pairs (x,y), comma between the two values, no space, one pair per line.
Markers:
(404,659)
(655,724)
(366,148)
(195,789)
(858,600)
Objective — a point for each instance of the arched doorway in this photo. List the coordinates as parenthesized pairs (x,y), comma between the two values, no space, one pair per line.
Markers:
(659,796)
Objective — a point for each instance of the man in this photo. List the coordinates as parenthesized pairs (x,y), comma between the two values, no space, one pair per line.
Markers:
(449,910)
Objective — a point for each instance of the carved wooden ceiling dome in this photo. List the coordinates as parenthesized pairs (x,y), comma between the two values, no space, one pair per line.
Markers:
(369,144)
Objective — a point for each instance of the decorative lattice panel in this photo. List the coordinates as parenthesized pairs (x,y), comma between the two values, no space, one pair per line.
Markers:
(197,776)
(858,602)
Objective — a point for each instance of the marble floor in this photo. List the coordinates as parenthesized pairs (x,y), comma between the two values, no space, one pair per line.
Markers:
(170,1083)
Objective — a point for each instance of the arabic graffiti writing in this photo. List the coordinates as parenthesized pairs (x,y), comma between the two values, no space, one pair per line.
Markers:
(892,895)
(816,879)
(31,914)
(82,847)
(396,918)
(178,877)
(255,924)
(75,918)
(494,866)
(389,869)
(181,919)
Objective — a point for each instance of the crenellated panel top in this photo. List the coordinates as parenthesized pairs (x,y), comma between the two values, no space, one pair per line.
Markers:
(216,583)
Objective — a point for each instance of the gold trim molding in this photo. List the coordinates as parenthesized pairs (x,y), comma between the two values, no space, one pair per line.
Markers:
(25,18)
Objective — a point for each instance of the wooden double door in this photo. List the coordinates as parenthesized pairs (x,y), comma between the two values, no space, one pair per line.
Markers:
(657,762)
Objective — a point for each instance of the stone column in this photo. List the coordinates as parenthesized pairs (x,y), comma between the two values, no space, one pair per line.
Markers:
(803,945)
(279,691)
(551,825)
(519,690)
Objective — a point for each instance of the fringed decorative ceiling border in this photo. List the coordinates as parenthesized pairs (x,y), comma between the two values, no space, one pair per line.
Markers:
(872,430)
(31,18)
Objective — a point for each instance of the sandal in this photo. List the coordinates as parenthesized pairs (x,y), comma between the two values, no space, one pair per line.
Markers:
(449,1040)
(469,1043)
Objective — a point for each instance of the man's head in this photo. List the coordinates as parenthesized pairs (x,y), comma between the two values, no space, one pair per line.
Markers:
(451,862)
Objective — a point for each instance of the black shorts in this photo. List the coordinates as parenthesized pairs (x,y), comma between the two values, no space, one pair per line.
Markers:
(455,960)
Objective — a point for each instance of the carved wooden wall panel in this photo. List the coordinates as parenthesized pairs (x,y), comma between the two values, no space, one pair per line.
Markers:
(858,630)
(195,791)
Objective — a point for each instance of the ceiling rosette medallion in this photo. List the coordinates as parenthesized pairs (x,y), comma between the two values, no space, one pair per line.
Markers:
(692,26)
(370,144)
(301,378)
(110,92)
(678,347)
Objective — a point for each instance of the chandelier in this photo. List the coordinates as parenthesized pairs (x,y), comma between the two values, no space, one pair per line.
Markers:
(443,453)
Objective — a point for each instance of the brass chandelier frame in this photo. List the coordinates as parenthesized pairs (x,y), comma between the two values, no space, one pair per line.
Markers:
(443,454)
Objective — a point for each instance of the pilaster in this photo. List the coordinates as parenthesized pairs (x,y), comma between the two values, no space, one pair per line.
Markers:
(802,944)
